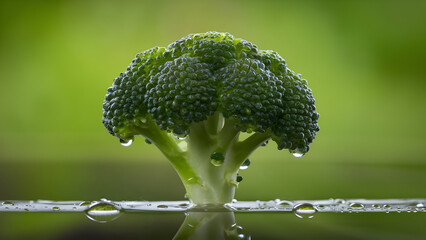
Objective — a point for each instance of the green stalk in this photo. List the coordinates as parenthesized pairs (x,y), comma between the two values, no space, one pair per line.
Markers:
(208,226)
(206,183)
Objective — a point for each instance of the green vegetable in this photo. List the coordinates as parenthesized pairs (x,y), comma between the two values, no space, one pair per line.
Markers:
(194,98)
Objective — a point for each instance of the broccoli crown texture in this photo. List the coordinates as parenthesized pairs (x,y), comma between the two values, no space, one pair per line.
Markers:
(201,74)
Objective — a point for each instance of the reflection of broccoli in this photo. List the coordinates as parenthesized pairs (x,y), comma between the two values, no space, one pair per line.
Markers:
(192,100)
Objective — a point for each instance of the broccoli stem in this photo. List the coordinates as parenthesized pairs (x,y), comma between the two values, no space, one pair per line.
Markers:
(208,226)
(206,183)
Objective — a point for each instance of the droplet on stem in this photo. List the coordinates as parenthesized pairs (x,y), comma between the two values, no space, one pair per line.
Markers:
(245,164)
(217,159)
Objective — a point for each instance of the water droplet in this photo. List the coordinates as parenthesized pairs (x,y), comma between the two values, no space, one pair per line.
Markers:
(245,164)
(234,200)
(56,209)
(216,163)
(7,204)
(285,204)
(376,206)
(147,141)
(298,152)
(102,212)
(217,156)
(264,144)
(416,206)
(298,155)
(320,207)
(304,210)
(26,209)
(162,206)
(236,232)
(126,143)
(193,180)
(85,204)
(356,206)
(239,178)
(387,208)
(180,137)
(420,207)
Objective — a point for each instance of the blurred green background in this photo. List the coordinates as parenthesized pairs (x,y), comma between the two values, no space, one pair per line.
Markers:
(364,60)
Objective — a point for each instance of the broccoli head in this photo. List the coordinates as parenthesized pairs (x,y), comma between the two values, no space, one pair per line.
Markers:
(193,99)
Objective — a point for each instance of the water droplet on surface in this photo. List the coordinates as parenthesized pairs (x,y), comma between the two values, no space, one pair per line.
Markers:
(304,210)
(216,163)
(147,141)
(387,208)
(7,204)
(56,209)
(236,232)
(234,200)
(192,180)
(217,156)
(320,207)
(102,212)
(245,164)
(356,206)
(26,209)
(420,207)
(285,204)
(376,206)
(162,206)
(85,204)
(126,143)
(180,137)
(239,178)
(416,206)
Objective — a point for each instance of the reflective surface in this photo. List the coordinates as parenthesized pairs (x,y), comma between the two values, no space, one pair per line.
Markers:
(216,222)
(105,207)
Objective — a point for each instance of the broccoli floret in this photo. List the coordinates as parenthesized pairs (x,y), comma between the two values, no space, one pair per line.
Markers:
(194,98)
